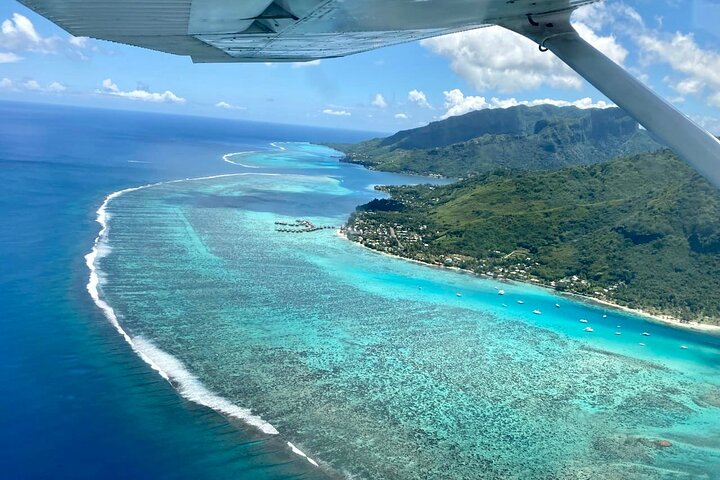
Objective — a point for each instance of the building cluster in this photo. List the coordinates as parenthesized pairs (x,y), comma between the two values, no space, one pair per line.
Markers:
(413,243)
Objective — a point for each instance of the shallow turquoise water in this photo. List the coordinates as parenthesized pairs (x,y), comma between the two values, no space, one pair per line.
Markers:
(375,367)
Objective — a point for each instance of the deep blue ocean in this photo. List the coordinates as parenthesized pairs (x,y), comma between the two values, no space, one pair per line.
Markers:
(75,402)
(208,343)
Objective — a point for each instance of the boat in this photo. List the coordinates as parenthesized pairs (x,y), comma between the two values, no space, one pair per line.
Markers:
(459,294)
(642,344)
(589,329)
(557,305)
(504,304)
(582,320)
(537,312)
(501,292)
(646,334)
(684,347)
(520,302)
(604,316)
(618,333)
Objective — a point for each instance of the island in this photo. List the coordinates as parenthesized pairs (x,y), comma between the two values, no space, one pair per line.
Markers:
(640,231)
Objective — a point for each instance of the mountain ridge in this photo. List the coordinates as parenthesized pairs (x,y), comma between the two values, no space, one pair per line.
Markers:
(522,137)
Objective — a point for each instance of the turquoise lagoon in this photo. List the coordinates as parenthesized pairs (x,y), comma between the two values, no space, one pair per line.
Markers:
(375,367)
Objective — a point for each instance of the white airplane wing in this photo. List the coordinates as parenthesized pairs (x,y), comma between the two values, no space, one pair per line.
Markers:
(280,30)
(302,30)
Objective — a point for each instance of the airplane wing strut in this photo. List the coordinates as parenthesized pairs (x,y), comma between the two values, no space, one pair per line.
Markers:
(692,143)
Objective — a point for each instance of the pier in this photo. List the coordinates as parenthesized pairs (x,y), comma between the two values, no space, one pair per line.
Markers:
(301,226)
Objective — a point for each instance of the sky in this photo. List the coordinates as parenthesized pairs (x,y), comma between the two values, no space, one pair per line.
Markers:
(671,45)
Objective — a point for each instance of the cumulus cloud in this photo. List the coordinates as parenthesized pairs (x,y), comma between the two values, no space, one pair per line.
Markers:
(696,70)
(311,63)
(495,58)
(337,113)
(80,42)
(31,86)
(56,87)
(110,88)
(379,101)
(401,116)
(700,68)
(418,97)
(18,34)
(229,106)
(9,57)
(457,103)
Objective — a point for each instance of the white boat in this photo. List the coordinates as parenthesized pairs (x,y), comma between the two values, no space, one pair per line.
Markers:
(459,294)
(537,312)
(618,333)
(520,302)
(604,316)
(504,304)
(582,320)
(589,329)
(684,347)
(646,334)
(642,344)
(557,305)
(501,292)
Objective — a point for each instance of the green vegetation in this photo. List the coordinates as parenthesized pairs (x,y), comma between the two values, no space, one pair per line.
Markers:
(642,230)
(530,138)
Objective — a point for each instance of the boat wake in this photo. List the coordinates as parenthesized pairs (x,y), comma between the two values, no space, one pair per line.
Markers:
(168,366)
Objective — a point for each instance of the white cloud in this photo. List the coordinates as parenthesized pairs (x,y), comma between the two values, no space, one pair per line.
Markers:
(496,58)
(457,103)
(337,113)
(19,34)
(401,116)
(379,101)
(31,85)
(697,69)
(311,63)
(79,42)
(418,97)
(9,57)
(110,88)
(608,45)
(229,106)
(700,67)
(56,87)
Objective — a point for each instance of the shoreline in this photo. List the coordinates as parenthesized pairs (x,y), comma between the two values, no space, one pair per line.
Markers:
(662,319)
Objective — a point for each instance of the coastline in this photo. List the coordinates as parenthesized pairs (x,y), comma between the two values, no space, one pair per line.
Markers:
(663,319)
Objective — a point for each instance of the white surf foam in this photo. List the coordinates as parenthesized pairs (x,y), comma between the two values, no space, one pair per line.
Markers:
(227,157)
(169,367)
(297,451)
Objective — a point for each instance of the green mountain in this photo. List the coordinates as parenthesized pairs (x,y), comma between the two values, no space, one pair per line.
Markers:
(642,230)
(530,138)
